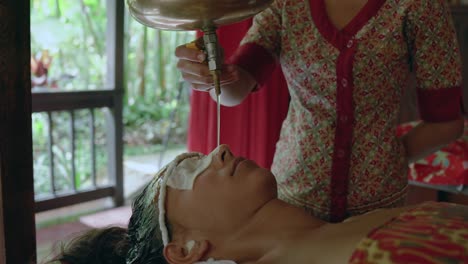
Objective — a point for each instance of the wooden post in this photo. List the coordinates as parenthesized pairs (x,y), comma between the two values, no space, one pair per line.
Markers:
(17,224)
(115,72)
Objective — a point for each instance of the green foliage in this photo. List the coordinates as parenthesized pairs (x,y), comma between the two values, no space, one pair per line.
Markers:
(73,34)
(61,147)
(152,85)
(141,111)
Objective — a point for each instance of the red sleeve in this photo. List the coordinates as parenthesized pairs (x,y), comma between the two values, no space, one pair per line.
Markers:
(436,60)
(256,60)
(440,105)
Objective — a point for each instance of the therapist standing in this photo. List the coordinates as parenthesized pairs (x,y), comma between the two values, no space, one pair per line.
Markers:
(346,64)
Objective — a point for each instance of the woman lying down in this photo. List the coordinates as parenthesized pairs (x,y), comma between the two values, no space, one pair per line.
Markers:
(221,208)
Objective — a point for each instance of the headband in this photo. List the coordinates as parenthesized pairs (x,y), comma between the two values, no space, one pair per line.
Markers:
(141,231)
(143,225)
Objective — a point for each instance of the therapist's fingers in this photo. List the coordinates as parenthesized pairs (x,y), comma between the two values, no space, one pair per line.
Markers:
(185,53)
(202,88)
(191,67)
(197,79)
(200,74)
(206,82)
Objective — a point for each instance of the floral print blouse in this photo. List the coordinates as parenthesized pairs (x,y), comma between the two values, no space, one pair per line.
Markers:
(338,153)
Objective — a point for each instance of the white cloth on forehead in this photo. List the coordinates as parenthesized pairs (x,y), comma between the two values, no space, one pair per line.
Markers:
(181,174)
(167,174)
(184,174)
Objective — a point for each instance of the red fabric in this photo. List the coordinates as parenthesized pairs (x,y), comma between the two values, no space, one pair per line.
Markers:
(448,166)
(342,39)
(248,57)
(437,105)
(343,134)
(252,128)
(427,234)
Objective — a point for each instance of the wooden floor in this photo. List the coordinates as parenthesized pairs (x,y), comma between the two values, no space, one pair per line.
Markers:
(51,236)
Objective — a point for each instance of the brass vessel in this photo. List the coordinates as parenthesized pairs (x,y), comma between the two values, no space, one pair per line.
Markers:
(204,15)
(193,14)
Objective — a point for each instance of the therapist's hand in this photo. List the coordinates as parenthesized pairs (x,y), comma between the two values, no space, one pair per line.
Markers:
(236,83)
(194,69)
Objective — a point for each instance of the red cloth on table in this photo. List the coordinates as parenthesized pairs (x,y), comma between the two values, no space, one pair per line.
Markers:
(252,128)
(426,234)
(448,166)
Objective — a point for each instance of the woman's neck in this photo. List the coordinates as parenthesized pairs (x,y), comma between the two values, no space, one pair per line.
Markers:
(278,214)
(272,227)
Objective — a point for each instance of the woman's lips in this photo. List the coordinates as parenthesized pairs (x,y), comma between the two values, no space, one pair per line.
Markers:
(236,163)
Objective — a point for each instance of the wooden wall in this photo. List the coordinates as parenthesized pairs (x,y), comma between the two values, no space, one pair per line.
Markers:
(18,243)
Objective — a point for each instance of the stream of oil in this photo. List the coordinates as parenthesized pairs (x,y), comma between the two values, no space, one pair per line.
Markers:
(218,116)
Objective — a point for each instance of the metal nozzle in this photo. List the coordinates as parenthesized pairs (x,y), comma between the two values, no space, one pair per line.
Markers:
(217,84)
(213,52)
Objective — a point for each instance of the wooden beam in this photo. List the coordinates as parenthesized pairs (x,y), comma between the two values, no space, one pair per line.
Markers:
(67,199)
(16,163)
(115,72)
(60,101)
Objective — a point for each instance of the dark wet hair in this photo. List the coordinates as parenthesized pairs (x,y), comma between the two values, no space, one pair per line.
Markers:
(143,229)
(141,243)
(103,246)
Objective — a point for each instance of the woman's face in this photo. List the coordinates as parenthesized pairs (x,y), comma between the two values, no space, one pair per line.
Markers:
(224,196)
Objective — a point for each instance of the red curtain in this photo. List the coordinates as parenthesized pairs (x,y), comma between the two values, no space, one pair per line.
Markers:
(252,128)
